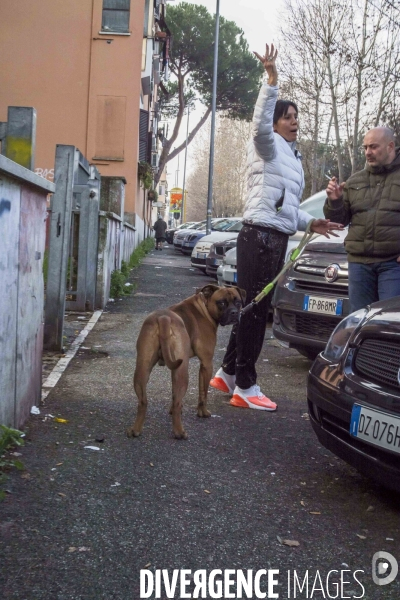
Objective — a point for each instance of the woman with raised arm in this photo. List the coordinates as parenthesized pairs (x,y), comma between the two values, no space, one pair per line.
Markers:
(275,183)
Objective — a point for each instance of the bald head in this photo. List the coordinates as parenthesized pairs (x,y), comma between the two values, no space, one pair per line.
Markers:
(379,146)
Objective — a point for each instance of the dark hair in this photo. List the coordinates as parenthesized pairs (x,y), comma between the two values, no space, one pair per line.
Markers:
(281,109)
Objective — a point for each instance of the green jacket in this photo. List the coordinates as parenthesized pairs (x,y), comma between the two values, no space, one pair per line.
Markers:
(371,207)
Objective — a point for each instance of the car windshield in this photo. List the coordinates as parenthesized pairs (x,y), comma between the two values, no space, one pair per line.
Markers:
(200,225)
(237,226)
(223,225)
(189,225)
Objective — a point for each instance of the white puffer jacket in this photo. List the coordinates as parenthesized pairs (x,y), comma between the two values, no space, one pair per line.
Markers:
(273,169)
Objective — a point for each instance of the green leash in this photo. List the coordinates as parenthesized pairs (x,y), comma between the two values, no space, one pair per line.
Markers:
(293,256)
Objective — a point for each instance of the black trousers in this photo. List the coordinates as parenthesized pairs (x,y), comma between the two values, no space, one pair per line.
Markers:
(260,256)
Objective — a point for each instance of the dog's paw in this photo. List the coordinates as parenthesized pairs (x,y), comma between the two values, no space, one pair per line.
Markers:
(182,435)
(132,433)
(203,412)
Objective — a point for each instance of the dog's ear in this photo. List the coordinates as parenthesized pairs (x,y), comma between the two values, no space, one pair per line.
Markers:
(243,295)
(208,290)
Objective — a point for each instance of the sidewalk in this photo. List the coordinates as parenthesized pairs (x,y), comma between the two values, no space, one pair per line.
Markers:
(80,523)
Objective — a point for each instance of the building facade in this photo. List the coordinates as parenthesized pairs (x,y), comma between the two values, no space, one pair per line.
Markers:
(91,69)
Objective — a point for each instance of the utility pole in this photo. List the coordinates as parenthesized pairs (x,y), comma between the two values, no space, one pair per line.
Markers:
(177,174)
(213,111)
(184,168)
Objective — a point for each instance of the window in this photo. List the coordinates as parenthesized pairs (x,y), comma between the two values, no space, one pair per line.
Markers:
(116,16)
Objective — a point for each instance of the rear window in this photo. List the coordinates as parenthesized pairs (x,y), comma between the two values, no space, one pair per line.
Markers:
(314,205)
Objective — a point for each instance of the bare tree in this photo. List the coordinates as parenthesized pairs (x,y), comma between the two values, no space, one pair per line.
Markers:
(343,71)
(229,182)
(310,38)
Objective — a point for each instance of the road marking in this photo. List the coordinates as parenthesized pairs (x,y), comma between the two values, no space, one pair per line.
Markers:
(63,363)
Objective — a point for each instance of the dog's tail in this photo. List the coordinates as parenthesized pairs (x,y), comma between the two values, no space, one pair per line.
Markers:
(164,325)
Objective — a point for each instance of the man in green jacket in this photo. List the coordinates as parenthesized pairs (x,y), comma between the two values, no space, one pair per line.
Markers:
(369,202)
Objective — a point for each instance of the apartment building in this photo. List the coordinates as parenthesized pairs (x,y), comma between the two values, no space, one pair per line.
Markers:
(91,69)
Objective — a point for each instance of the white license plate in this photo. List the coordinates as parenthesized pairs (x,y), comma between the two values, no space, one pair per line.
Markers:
(202,255)
(319,304)
(375,427)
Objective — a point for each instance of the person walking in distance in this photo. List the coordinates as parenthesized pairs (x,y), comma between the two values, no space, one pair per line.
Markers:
(160,227)
(369,202)
(275,183)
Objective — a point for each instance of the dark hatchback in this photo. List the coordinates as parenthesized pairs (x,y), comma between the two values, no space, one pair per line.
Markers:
(353,392)
(311,298)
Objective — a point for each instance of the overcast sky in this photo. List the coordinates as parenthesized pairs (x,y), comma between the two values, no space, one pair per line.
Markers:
(260,22)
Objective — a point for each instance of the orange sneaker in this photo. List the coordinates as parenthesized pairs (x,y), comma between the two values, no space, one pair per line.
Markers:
(251,398)
(223,382)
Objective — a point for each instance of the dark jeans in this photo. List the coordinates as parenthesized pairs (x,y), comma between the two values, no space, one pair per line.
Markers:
(260,256)
(373,282)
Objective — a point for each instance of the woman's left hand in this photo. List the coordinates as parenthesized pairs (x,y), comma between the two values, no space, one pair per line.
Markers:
(325,227)
(269,63)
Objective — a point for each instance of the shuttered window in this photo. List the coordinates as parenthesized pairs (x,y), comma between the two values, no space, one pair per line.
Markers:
(116,16)
(110,127)
(143,135)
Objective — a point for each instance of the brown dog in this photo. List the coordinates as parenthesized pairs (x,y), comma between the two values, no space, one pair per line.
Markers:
(174,335)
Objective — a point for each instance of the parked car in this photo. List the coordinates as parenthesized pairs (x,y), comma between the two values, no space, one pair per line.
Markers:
(217,253)
(227,272)
(180,234)
(313,205)
(353,392)
(169,234)
(312,296)
(218,225)
(223,232)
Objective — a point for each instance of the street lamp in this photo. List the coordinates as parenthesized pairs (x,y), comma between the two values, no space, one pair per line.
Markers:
(213,111)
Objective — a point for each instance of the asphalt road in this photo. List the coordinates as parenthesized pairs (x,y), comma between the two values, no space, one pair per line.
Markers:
(82,524)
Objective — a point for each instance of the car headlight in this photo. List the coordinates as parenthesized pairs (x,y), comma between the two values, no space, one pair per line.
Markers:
(341,335)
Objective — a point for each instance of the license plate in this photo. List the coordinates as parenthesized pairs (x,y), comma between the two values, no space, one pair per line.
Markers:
(202,255)
(327,306)
(375,427)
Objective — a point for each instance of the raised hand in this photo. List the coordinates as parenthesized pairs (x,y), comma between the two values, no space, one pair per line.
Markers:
(269,63)
(334,191)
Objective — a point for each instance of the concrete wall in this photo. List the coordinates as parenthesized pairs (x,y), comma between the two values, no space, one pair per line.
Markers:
(129,242)
(23,198)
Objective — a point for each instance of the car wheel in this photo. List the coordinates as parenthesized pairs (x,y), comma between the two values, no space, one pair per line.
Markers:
(310,353)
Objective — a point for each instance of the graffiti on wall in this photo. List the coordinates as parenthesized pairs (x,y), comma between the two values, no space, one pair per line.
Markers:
(45,173)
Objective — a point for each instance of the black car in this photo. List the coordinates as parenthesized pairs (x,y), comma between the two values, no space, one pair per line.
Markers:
(353,392)
(216,255)
(311,298)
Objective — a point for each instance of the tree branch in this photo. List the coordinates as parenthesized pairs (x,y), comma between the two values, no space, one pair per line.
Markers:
(191,135)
